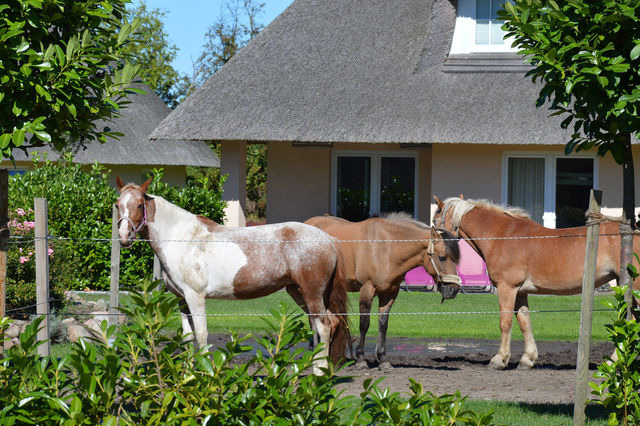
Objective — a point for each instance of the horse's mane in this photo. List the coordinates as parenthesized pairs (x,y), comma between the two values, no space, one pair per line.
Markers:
(405,217)
(449,240)
(459,207)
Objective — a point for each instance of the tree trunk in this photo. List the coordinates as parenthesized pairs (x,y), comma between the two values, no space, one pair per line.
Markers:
(626,231)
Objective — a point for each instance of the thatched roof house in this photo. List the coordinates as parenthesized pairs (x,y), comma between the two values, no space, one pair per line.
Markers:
(134,154)
(354,97)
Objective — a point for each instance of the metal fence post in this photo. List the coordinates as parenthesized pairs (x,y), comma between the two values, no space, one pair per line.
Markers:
(4,241)
(586,314)
(114,287)
(42,272)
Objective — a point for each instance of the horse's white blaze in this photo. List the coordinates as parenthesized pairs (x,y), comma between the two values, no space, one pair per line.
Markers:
(123,227)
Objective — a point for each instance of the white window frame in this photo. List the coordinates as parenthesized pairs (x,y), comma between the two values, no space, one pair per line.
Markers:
(375,156)
(550,174)
(464,34)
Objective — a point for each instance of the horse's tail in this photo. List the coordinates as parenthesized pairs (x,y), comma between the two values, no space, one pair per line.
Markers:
(339,304)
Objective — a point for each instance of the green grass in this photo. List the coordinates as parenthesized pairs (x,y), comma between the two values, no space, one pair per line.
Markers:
(515,413)
(449,320)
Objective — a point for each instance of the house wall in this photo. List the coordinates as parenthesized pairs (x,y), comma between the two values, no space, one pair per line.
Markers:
(298,182)
(299,185)
(476,172)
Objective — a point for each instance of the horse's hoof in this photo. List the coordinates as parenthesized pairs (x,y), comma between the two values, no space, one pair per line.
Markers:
(526,364)
(497,363)
(385,366)
(362,365)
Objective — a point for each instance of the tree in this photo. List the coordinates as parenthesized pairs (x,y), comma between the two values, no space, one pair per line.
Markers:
(150,49)
(61,71)
(586,55)
(235,27)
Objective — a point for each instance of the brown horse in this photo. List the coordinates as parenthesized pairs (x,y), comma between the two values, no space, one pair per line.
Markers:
(376,268)
(537,260)
(201,259)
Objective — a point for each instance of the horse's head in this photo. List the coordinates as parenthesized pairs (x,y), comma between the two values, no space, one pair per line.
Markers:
(444,217)
(440,261)
(132,211)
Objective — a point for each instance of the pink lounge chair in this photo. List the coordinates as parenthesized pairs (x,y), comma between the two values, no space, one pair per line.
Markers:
(471,269)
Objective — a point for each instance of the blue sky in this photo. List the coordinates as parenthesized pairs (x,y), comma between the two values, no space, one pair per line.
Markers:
(187,21)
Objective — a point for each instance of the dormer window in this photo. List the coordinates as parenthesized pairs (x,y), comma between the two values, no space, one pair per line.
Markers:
(478,29)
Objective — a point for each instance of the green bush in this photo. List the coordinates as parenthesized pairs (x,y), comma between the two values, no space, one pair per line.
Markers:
(148,376)
(79,212)
(619,391)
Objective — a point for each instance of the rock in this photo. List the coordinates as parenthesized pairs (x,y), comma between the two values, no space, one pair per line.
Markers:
(74,297)
(76,331)
(100,305)
(14,329)
(100,316)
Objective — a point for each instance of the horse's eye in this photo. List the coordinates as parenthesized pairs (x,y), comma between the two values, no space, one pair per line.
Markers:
(140,206)
(442,258)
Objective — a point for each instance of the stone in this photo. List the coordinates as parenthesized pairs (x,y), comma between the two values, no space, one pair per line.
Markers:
(76,331)
(100,305)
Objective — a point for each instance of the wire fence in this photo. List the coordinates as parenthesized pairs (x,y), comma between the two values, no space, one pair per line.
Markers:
(96,241)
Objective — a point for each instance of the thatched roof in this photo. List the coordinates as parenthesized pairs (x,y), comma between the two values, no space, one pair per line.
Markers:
(364,71)
(140,117)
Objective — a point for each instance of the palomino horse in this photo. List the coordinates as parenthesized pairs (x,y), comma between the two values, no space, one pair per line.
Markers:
(376,268)
(527,258)
(201,259)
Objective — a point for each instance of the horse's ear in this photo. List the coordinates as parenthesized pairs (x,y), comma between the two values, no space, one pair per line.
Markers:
(461,197)
(119,183)
(438,201)
(145,185)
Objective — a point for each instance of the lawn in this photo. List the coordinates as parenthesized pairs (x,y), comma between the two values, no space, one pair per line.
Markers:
(417,314)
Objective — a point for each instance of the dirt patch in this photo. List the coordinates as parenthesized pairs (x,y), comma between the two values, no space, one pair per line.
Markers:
(447,365)
(444,366)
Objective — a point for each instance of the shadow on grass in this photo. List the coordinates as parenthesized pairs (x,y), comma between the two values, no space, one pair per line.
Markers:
(592,411)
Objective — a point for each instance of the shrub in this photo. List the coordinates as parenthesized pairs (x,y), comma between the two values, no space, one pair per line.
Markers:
(619,391)
(80,209)
(147,376)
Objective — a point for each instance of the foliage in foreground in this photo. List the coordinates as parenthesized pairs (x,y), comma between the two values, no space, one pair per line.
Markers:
(148,377)
(619,391)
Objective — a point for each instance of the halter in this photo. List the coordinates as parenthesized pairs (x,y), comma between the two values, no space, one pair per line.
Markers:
(446,278)
(137,229)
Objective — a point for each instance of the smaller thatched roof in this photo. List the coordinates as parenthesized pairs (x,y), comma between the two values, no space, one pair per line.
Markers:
(137,121)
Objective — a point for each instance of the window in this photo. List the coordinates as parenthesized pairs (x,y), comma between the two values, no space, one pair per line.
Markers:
(366,184)
(488,29)
(478,29)
(553,188)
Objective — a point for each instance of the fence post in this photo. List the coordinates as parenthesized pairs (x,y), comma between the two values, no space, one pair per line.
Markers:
(42,272)
(586,313)
(4,241)
(114,287)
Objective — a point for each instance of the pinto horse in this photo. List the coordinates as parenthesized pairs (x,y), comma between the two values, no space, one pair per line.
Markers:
(537,260)
(201,259)
(376,268)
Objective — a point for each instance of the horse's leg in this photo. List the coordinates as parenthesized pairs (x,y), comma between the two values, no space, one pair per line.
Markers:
(196,304)
(385,302)
(295,294)
(530,355)
(367,292)
(506,304)
(187,320)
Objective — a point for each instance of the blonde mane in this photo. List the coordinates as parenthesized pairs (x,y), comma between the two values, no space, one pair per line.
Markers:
(405,217)
(459,207)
